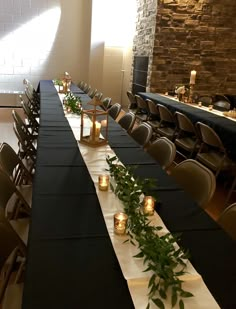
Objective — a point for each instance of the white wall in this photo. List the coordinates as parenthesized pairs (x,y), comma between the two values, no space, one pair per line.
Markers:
(113,25)
(40,39)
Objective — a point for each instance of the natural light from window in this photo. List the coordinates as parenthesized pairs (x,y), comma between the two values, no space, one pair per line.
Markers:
(28,47)
(115,21)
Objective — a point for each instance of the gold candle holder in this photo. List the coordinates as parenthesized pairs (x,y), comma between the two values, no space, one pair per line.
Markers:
(103,182)
(120,223)
(149,205)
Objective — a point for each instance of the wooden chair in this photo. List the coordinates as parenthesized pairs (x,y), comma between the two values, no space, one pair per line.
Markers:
(196,179)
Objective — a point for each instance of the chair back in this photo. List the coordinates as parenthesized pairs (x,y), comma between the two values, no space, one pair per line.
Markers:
(26,148)
(33,123)
(223,105)
(163,151)
(13,166)
(196,179)
(184,123)
(99,95)
(127,121)
(142,104)
(153,109)
(206,100)
(132,100)
(165,114)
(114,110)
(92,93)
(227,220)
(106,103)
(209,136)
(142,134)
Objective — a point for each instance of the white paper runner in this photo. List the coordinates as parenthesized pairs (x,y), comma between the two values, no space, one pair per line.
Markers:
(132,268)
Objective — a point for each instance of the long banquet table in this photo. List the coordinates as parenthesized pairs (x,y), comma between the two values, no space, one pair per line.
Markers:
(225,127)
(70,260)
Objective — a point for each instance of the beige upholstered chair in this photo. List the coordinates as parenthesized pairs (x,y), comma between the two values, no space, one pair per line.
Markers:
(142,112)
(196,179)
(212,152)
(142,134)
(132,101)
(227,220)
(106,103)
(11,281)
(114,110)
(186,139)
(163,151)
(154,115)
(167,125)
(99,95)
(127,121)
(92,93)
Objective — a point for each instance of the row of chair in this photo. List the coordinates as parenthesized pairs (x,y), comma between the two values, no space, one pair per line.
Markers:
(16,180)
(199,141)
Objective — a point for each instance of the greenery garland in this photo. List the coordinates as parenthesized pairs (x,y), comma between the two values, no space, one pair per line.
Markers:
(159,253)
(72,103)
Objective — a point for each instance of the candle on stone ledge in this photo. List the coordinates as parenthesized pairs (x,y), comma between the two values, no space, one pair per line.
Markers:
(149,205)
(103,182)
(192,77)
(120,223)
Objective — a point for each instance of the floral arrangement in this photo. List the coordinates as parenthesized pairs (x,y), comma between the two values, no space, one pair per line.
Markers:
(72,103)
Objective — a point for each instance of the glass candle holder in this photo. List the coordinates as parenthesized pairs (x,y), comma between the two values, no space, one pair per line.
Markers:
(210,107)
(103,182)
(148,205)
(120,223)
(200,104)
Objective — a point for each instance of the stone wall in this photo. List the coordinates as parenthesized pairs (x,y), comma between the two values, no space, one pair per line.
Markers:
(188,34)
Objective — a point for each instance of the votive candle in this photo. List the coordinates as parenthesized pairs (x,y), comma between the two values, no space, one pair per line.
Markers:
(120,223)
(103,182)
(149,205)
(210,107)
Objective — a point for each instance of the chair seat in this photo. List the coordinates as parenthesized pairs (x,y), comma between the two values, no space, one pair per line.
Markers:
(141,117)
(168,132)
(154,124)
(13,296)
(213,160)
(186,143)
(21,226)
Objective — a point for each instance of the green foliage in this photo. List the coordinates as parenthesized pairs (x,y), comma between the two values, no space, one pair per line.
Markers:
(57,82)
(159,253)
(73,103)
